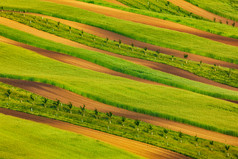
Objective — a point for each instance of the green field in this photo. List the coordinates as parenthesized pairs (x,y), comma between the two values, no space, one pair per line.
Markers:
(218,74)
(210,113)
(25,139)
(21,100)
(120,65)
(156,36)
(225,8)
(203,24)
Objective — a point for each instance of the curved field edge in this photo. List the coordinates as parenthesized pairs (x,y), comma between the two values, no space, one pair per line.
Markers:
(91,120)
(214,49)
(133,90)
(219,74)
(120,65)
(24,139)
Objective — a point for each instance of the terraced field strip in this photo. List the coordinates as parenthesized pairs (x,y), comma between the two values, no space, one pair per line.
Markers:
(65,96)
(76,61)
(19,26)
(201,12)
(154,65)
(136,147)
(146,20)
(88,65)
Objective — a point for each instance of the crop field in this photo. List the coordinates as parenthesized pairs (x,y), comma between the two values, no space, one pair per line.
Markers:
(83,82)
(218,74)
(156,36)
(115,125)
(225,8)
(128,79)
(47,142)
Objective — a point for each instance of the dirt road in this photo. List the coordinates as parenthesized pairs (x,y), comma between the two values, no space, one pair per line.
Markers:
(139,148)
(65,96)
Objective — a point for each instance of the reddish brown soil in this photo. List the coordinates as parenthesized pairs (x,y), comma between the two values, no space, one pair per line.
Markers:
(65,96)
(139,148)
(146,20)
(201,12)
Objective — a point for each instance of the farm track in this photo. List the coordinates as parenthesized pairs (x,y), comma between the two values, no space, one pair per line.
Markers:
(136,147)
(138,18)
(65,96)
(153,65)
(201,12)
(77,61)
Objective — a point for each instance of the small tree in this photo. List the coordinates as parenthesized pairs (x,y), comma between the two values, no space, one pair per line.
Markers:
(70,105)
(8,94)
(123,119)
(227,147)
(32,99)
(186,57)
(137,123)
(109,114)
(96,113)
(44,102)
(83,108)
(58,24)
(233,24)
(214,19)
(57,104)
(70,29)
(172,57)
(229,72)
(200,64)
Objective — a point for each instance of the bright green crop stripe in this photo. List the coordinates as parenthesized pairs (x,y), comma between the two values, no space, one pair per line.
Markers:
(157,36)
(25,139)
(166,102)
(225,8)
(120,65)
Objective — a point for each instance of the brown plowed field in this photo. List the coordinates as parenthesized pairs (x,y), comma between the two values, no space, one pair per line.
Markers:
(65,96)
(136,147)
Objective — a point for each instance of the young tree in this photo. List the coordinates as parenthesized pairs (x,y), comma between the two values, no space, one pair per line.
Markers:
(186,57)
(109,114)
(137,123)
(8,94)
(70,105)
(57,104)
(227,147)
(82,108)
(123,119)
(32,99)
(44,102)
(96,113)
